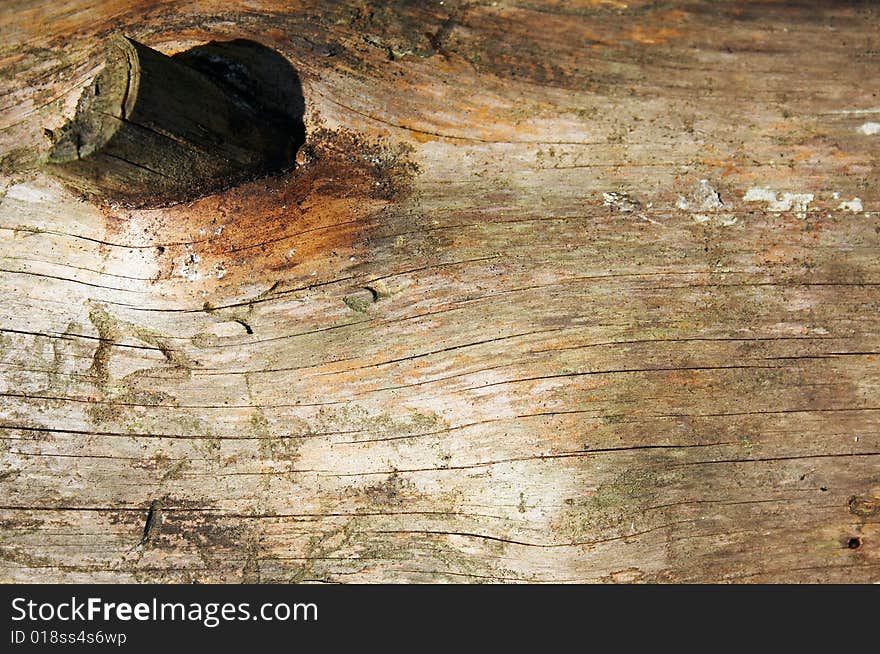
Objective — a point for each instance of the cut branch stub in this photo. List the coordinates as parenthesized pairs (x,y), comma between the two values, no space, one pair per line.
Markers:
(154,130)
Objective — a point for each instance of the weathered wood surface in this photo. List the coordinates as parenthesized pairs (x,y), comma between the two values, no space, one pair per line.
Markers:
(494,327)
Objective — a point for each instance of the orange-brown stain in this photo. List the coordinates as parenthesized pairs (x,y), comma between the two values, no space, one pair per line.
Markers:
(289,226)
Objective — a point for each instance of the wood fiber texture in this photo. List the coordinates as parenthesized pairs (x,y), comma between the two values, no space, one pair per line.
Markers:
(557,292)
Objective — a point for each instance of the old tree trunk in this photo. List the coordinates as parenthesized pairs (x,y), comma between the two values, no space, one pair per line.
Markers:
(563,291)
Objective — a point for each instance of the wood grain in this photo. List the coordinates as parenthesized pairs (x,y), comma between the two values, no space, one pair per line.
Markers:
(558,292)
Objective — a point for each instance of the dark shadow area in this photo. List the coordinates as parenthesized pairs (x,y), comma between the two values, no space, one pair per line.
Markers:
(262,81)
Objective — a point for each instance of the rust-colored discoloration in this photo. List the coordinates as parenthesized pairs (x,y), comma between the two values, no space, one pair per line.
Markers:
(285,227)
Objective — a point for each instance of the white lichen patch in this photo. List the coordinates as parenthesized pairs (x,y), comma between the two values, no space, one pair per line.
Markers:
(854,205)
(705,204)
(870,129)
(627,204)
(620,201)
(189,266)
(796,202)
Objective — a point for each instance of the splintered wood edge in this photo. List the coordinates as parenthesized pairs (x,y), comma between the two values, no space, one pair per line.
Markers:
(103,106)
